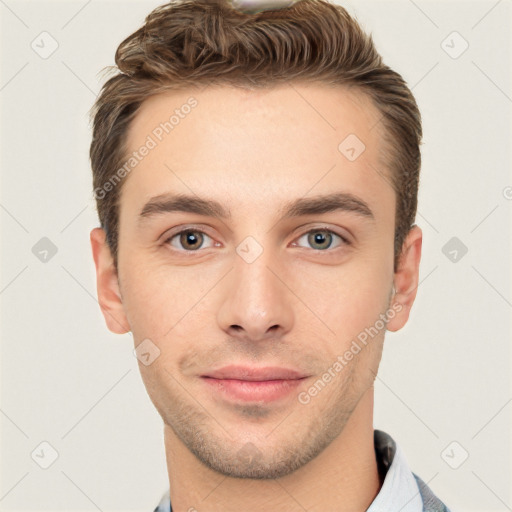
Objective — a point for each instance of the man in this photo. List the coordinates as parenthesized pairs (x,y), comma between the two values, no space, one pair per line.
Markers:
(279,146)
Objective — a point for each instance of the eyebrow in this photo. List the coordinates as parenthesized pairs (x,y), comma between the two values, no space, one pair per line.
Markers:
(316,205)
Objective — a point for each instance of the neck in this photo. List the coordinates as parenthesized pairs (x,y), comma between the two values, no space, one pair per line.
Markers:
(344,477)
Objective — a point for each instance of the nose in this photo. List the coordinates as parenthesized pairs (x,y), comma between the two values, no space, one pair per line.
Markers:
(256,302)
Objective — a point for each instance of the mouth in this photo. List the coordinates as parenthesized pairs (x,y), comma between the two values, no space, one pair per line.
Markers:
(252,384)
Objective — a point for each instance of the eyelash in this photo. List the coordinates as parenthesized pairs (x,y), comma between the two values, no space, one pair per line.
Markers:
(344,240)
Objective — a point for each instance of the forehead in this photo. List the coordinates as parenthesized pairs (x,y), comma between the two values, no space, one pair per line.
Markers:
(228,142)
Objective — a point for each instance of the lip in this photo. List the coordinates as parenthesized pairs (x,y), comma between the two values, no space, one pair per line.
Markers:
(252,373)
(250,384)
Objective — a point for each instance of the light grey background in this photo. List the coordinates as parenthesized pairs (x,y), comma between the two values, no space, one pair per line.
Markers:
(66,380)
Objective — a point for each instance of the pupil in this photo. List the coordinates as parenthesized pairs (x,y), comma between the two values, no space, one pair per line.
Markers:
(190,239)
(320,239)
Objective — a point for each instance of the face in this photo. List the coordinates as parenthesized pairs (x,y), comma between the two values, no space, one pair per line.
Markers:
(280,259)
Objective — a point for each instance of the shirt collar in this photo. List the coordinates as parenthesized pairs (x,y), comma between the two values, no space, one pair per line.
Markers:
(399,491)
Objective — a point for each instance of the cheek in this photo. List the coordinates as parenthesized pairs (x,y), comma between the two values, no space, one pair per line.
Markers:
(147,301)
(158,299)
(355,297)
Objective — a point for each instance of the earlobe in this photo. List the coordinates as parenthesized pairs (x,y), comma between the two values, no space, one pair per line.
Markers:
(406,278)
(107,284)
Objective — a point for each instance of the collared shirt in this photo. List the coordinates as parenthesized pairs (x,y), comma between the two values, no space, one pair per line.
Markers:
(401,491)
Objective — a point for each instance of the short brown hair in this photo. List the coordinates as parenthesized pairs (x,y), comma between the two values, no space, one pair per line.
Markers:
(185,43)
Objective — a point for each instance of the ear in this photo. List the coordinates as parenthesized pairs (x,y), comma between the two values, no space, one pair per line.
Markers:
(109,295)
(406,278)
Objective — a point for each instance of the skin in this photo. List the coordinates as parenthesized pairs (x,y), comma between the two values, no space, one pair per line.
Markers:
(300,304)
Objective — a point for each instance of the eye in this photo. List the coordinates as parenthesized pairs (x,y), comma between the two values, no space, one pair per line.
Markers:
(190,240)
(322,239)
